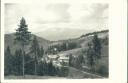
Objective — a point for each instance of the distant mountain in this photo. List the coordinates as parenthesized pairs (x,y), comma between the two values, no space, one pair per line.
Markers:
(55,34)
(9,41)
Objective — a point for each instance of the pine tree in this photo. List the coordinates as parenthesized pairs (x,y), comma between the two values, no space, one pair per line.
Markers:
(94,51)
(41,52)
(70,59)
(80,60)
(23,37)
(35,49)
(90,55)
(97,46)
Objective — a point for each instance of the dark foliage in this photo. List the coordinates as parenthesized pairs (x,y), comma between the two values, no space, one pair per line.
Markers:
(105,41)
(22,34)
(70,59)
(102,70)
(76,61)
(62,47)
(90,55)
(94,52)
(48,69)
(96,46)
(94,33)
(17,62)
(37,51)
(8,62)
(63,72)
(29,65)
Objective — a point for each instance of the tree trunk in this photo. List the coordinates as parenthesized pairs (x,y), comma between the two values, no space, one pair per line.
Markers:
(23,61)
(35,68)
(35,63)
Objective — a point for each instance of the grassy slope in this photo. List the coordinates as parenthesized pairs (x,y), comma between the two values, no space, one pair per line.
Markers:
(84,41)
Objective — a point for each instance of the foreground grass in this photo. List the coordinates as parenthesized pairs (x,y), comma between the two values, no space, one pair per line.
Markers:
(72,74)
(33,77)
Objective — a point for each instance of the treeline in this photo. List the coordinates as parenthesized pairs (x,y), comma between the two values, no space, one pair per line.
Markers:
(93,33)
(48,69)
(14,65)
(62,47)
(105,41)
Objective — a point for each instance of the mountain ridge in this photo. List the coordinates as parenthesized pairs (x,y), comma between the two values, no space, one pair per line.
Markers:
(82,40)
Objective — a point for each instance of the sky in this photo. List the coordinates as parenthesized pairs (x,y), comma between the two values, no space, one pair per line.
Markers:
(51,19)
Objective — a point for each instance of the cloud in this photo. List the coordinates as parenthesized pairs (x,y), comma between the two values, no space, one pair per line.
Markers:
(58,16)
(35,14)
(98,13)
(61,11)
(12,14)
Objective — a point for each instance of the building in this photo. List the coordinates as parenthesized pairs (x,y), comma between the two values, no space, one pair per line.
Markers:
(57,60)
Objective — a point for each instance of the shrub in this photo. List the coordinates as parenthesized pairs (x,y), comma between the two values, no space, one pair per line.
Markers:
(103,70)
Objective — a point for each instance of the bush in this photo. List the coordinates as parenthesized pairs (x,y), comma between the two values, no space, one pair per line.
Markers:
(63,72)
(29,67)
(47,69)
(102,70)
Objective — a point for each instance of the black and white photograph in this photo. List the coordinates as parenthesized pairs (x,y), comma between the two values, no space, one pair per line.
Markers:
(63,41)
(56,41)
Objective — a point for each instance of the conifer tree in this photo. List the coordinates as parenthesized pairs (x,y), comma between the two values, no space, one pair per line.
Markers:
(90,55)
(41,52)
(94,51)
(23,37)
(97,46)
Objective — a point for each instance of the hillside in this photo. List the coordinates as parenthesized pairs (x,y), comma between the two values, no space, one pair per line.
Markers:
(9,41)
(82,40)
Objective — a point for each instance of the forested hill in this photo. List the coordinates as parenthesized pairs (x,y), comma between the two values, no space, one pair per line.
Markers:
(9,41)
(85,38)
(96,32)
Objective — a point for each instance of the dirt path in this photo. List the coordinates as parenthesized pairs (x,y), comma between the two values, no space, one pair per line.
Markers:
(75,73)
